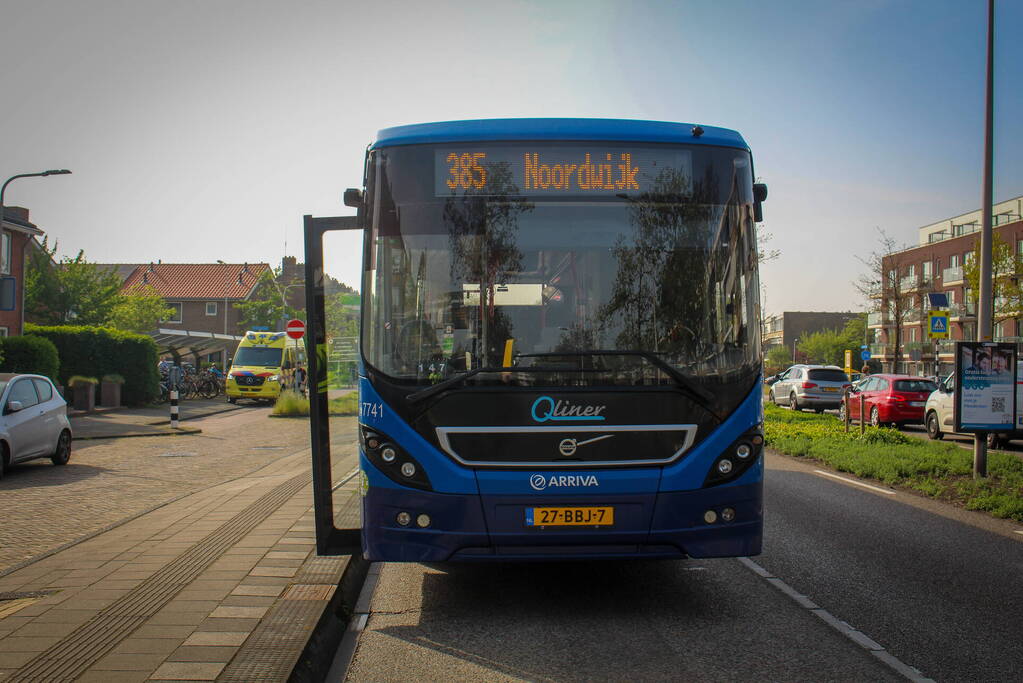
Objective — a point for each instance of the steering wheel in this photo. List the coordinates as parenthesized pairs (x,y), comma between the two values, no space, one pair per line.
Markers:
(416,342)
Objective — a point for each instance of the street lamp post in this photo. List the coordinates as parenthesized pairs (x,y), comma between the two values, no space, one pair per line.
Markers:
(3,190)
(794,349)
(224,355)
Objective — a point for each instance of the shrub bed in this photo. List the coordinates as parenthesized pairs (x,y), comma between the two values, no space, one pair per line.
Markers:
(939,470)
(30,354)
(98,351)
(292,404)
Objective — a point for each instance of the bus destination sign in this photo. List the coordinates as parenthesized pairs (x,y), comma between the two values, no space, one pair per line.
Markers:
(554,170)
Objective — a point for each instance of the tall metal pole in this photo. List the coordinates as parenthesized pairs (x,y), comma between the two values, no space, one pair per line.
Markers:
(986,198)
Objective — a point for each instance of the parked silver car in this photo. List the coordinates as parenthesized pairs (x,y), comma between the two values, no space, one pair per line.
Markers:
(810,386)
(33,422)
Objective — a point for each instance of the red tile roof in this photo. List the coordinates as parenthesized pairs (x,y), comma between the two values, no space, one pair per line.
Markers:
(210,281)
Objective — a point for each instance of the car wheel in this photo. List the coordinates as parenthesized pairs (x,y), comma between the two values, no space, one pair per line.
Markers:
(933,428)
(772,397)
(793,403)
(995,441)
(232,399)
(818,410)
(875,417)
(63,452)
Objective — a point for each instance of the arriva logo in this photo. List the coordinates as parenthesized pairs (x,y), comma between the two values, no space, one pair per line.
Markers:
(539,482)
(546,408)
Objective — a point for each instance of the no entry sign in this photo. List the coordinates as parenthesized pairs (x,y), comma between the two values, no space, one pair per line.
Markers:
(295,329)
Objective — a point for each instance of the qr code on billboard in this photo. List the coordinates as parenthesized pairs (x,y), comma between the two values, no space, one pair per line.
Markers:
(997,404)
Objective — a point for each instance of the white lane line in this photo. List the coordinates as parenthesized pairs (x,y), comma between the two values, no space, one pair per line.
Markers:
(854,482)
(858,637)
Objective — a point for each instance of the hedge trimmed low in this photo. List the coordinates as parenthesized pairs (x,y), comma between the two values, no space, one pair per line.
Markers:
(98,351)
(30,354)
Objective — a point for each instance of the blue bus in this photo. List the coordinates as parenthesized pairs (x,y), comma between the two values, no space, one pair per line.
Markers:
(560,342)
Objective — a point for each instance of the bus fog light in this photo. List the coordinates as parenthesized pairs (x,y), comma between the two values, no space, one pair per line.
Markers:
(710,516)
(388,454)
(758,439)
(743,451)
(373,443)
(724,466)
(423,521)
(408,469)
(728,515)
(404,518)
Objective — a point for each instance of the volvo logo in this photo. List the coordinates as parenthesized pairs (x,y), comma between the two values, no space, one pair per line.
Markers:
(567,447)
(546,408)
(539,482)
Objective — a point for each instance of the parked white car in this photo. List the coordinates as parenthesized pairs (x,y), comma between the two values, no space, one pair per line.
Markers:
(33,422)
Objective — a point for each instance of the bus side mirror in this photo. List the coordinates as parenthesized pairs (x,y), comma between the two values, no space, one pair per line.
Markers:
(759,197)
(353,197)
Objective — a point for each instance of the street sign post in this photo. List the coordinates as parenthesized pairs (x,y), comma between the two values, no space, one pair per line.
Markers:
(295,329)
(865,355)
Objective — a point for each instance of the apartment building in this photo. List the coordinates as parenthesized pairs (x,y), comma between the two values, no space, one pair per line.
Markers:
(936,265)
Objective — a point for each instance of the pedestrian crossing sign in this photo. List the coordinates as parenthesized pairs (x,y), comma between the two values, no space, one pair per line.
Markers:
(937,325)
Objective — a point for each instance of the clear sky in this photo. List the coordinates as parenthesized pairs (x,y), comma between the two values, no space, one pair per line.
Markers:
(204,130)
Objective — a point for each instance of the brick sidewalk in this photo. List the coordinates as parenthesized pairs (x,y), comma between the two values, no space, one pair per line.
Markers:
(220,583)
(150,421)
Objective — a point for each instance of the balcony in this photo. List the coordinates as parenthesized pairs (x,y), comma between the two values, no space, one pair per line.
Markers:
(878,350)
(876,319)
(946,347)
(918,350)
(912,315)
(962,311)
(952,276)
(909,283)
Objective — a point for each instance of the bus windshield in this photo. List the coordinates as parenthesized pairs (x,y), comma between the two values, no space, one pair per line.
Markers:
(561,263)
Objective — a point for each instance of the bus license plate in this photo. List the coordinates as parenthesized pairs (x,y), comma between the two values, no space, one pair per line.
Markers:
(581,516)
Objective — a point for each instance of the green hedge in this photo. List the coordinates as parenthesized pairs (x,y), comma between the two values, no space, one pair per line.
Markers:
(98,351)
(29,353)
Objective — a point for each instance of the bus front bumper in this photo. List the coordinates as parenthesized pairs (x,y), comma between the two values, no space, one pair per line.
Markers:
(481,528)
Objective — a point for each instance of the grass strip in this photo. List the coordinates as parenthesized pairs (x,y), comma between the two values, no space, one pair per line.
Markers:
(939,470)
(293,404)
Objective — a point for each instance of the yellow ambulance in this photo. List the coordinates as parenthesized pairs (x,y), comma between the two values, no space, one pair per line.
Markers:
(263,365)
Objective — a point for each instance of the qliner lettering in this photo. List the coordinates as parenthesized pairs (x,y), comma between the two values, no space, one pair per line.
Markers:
(584,176)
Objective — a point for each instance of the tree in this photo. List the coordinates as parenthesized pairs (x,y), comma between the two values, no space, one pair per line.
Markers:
(826,347)
(1006,269)
(777,359)
(265,307)
(68,290)
(882,285)
(140,310)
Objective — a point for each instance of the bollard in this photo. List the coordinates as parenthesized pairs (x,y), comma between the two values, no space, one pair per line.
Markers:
(174,408)
(845,402)
(863,421)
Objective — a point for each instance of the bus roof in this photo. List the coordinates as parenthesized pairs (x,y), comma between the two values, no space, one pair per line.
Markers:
(621,130)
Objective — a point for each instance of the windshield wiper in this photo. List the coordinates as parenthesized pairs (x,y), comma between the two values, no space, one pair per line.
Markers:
(417,396)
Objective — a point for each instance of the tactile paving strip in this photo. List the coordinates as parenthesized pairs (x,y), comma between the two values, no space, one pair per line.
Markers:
(70,657)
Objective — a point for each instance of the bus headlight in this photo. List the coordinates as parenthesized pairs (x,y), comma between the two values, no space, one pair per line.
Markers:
(393,461)
(408,469)
(737,458)
(724,465)
(388,454)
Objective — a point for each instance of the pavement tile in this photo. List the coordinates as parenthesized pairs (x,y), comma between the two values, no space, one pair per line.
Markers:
(188,671)
(176,631)
(285,555)
(162,618)
(247,601)
(43,628)
(179,605)
(210,653)
(228,612)
(273,571)
(226,624)
(14,659)
(134,662)
(196,594)
(217,638)
(252,589)
(113,677)
(17,643)
(139,646)
(59,615)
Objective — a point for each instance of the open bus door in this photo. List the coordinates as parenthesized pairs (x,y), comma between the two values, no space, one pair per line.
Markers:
(330,540)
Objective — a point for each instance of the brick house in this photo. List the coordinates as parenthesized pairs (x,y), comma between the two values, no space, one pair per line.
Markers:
(936,265)
(16,238)
(202,295)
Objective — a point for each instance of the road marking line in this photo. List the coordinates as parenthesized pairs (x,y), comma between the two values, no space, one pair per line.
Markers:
(858,637)
(854,482)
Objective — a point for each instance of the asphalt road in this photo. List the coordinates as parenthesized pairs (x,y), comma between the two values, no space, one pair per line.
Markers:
(938,589)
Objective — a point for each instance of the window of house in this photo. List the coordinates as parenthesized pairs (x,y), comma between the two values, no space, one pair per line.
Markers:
(927,271)
(951,297)
(953,261)
(5,253)
(911,270)
(211,308)
(176,317)
(967,258)
(1019,247)
(4,332)
(999,330)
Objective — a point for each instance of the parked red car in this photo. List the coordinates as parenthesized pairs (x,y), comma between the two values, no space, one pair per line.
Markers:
(890,399)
